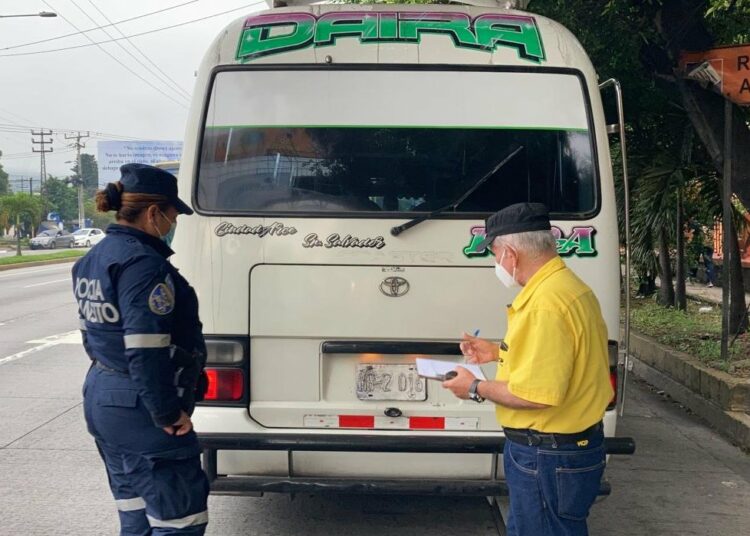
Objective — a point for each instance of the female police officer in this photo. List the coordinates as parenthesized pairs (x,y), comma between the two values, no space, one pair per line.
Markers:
(139,319)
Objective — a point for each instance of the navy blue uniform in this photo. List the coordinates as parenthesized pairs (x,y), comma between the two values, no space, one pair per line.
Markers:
(134,308)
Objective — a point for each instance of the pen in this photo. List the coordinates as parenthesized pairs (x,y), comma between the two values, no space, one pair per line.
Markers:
(476,333)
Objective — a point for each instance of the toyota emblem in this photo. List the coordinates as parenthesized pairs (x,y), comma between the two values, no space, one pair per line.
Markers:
(394,287)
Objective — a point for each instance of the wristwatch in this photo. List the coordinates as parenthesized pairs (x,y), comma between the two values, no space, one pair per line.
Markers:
(473,394)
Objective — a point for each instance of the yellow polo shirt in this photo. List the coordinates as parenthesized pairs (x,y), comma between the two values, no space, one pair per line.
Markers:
(557,354)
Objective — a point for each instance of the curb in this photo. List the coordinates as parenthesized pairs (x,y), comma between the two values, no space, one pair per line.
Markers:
(734,425)
(721,389)
(37,263)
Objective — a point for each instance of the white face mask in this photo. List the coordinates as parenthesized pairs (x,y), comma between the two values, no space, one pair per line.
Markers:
(509,280)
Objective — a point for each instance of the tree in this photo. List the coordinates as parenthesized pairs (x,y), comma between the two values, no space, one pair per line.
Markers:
(61,198)
(90,174)
(21,208)
(4,184)
(640,43)
(98,219)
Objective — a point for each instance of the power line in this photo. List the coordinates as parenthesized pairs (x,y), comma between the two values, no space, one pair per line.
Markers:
(131,71)
(178,92)
(7,118)
(132,35)
(14,141)
(175,84)
(98,27)
(23,129)
(26,156)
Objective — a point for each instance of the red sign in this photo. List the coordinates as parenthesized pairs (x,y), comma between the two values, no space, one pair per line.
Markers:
(725,70)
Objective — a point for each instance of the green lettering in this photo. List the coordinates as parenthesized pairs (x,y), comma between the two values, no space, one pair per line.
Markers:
(256,39)
(388,26)
(457,25)
(333,25)
(580,242)
(517,31)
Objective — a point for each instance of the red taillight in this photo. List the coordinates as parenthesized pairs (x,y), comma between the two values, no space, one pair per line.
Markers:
(613,381)
(225,384)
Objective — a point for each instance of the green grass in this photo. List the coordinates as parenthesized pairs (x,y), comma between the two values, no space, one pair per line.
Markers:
(695,333)
(44,257)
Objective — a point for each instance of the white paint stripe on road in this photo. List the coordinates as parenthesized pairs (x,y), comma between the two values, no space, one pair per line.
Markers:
(70,337)
(48,282)
(21,271)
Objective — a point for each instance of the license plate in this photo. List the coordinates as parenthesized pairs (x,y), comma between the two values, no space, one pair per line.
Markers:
(377,381)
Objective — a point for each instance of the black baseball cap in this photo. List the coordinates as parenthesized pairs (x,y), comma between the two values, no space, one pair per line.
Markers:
(518,218)
(145,179)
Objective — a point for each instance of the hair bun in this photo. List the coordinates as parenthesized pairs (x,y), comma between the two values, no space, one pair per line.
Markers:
(113,191)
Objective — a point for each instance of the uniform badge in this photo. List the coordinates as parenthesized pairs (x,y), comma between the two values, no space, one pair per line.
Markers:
(161,299)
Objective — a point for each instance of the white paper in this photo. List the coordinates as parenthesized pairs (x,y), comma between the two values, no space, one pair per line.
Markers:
(436,369)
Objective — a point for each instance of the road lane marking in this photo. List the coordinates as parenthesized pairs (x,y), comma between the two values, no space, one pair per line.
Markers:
(48,282)
(20,271)
(70,337)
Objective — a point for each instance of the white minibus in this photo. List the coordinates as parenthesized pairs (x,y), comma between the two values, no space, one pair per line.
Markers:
(341,160)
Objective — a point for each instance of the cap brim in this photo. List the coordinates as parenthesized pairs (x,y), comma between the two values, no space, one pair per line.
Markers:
(485,243)
(182,207)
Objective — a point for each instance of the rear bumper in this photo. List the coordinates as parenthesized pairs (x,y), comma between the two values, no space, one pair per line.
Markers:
(490,444)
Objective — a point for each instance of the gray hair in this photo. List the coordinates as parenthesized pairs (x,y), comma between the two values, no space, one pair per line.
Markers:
(533,243)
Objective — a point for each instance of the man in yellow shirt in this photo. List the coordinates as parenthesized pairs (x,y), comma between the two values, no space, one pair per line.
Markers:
(552,385)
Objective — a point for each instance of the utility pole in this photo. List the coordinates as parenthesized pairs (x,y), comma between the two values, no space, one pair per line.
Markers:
(78,145)
(42,141)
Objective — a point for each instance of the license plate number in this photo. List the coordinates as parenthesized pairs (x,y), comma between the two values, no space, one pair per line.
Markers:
(377,381)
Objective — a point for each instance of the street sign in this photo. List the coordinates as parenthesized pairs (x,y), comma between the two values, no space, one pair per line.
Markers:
(726,70)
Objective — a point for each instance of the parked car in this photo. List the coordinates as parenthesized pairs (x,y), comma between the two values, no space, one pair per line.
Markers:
(52,239)
(88,237)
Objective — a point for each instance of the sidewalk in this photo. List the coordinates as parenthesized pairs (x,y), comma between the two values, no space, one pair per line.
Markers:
(719,398)
(707,294)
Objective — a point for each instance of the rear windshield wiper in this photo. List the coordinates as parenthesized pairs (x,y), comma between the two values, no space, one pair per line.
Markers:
(513,151)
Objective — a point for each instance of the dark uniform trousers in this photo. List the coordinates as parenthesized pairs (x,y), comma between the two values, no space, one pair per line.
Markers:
(156,479)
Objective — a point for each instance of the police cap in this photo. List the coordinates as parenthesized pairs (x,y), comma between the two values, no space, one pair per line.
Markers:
(145,179)
(518,218)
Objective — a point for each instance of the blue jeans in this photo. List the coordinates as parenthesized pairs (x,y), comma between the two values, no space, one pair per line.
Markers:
(552,489)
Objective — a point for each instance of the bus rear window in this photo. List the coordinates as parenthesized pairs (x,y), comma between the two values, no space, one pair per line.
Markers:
(342,142)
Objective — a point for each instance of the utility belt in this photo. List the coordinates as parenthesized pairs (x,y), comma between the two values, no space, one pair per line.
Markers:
(189,380)
(101,366)
(534,438)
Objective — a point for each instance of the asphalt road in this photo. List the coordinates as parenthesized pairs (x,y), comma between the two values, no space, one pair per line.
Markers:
(683,480)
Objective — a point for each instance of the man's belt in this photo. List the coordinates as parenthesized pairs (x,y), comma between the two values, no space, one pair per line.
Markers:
(534,438)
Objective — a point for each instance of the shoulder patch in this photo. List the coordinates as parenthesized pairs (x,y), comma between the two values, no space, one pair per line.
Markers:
(161,299)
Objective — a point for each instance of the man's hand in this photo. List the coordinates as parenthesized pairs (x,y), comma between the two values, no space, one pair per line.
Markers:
(478,351)
(181,427)
(459,385)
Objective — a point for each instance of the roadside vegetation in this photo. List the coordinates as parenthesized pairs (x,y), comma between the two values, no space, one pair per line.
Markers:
(70,254)
(695,331)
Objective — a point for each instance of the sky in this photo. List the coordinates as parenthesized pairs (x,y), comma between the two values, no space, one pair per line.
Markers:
(86,89)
